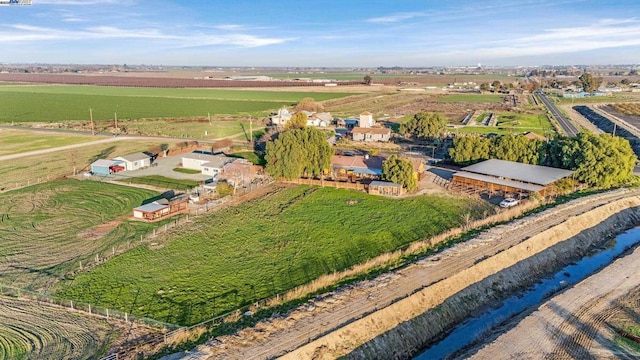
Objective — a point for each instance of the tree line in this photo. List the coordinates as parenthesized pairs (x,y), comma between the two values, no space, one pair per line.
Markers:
(598,160)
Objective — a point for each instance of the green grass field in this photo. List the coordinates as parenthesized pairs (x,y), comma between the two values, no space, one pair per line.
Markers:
(18,141)
(251,156)
(186,171)
(239,255)
(509,123)
(162,182)
(47,229)
(46,103)
(471,98)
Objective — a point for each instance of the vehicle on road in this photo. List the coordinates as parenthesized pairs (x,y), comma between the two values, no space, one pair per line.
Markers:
(509,202)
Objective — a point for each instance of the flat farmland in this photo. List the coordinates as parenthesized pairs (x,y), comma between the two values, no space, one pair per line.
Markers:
(31,169)
(266,246)
(511,122)
(51,103)
(19,141)
(29,330)
(471,98)
(48,229)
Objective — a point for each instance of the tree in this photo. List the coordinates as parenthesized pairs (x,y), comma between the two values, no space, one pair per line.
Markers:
(298,152)
(496,85)
(603,160)
(516,148)
(469,149)
(297,121)
(400,171)
(309,104)
(589,82)
(485,87)
(367,79)
(625,81)
(425,125)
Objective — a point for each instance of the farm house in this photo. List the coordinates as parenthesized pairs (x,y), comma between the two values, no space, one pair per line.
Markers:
(105,167)
(371,134)
(507,177)
(208,164)
(134,161)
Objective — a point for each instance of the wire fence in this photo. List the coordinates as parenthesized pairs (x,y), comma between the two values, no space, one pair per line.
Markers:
(29,182)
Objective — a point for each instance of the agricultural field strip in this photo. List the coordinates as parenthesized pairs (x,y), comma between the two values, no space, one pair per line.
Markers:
(349,304)
(215,94)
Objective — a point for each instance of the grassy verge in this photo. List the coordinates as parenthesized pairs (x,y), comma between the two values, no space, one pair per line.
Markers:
(186,171)
(162,182)
(251,156)
(239,255)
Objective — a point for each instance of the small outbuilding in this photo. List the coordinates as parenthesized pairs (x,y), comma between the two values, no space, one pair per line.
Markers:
(134,161)
(385,188)
(151,211)
(105,167)
(208,164)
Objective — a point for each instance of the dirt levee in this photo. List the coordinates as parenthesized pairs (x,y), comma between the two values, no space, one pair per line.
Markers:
(394,327)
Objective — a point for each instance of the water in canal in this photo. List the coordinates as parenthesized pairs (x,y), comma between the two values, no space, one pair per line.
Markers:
(468,332)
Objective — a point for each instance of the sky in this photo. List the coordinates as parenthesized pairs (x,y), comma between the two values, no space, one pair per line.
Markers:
(322,33)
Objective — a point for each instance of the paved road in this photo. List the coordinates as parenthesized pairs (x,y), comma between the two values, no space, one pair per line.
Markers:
(278,336)
(567,126)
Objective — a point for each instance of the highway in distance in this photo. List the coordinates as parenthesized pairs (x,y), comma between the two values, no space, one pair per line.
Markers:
(567,126)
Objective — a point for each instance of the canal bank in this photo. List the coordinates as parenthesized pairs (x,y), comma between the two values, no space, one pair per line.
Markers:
(413,323)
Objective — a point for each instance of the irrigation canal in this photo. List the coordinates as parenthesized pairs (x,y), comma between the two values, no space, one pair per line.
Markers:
(473,329)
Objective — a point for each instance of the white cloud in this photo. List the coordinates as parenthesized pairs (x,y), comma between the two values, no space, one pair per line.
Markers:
(393,18)
(28,33)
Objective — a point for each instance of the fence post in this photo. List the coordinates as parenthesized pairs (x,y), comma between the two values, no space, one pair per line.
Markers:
(71,301)
(107,313)
(126,319)
(89,308)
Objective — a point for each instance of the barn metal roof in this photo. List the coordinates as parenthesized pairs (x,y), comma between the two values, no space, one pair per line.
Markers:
(133,157)
(105,162)
(151,207)
(498,181)
(541,175)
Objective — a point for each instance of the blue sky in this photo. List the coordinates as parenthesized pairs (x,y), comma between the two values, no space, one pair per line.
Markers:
(332,33)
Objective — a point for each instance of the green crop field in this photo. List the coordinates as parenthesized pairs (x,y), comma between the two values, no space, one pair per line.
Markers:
(471,98)
(46,103)
(47,229)
(266,246)
(18,141)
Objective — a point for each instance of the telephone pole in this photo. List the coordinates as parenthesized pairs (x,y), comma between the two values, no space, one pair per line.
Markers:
(115,115)
(93,132)
(250,131)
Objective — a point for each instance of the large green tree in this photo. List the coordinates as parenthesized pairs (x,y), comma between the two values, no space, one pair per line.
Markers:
(601,160)
(589,82)
(469,149)
(425,125)
(400,171)
(297,121)
(516,148)
(298,152)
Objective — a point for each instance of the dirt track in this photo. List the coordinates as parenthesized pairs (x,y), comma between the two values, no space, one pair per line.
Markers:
(571,325)
(283,334)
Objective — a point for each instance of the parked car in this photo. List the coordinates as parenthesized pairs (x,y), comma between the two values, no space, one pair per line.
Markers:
(509,202)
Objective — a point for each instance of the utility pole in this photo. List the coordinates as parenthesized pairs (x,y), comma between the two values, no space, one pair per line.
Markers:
(93,132)
(115,115)
(614,129)
(250,131)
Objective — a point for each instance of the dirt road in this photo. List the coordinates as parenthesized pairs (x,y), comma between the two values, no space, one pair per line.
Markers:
(324,314)
(571,325)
